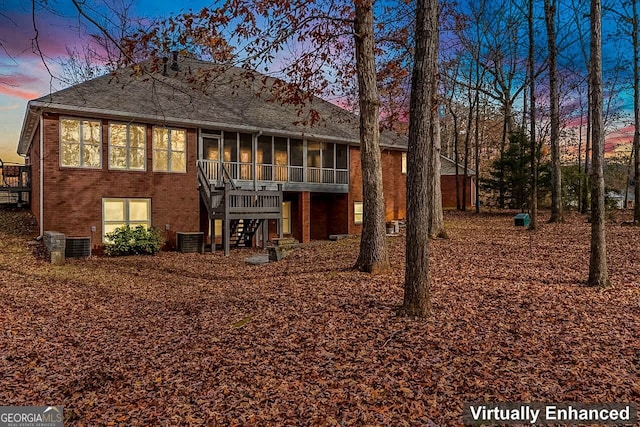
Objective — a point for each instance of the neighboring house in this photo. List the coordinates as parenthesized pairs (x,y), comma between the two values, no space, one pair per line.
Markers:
(151,150)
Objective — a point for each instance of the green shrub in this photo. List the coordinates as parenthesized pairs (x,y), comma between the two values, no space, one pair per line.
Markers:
(133,241)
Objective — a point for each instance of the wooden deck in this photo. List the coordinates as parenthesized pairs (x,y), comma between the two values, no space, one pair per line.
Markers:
(15,183)
(242,211)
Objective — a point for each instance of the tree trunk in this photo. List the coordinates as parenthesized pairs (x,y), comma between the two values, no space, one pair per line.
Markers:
(503,146)
(467,141)
(373,256)
(417,299)
(636,115)
(476,137)
(580,186)
(598,275)
(584,206)
(456,159)
(532,99)
(554,102)
(436,221)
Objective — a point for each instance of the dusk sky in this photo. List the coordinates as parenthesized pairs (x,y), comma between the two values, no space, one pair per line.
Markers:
(23,75)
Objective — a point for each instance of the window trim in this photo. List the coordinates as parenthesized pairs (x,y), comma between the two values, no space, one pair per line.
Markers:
(169,150)
(356,214)
(128,147)
(127,220)
(80,142)
(403,166)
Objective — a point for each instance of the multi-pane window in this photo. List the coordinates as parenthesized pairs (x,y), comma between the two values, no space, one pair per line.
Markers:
(127,146)
(120,212)
(357,212)
(80,143)
(169,150)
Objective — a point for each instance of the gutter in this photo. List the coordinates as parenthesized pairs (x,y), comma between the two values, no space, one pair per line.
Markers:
(41,176)
(176,121)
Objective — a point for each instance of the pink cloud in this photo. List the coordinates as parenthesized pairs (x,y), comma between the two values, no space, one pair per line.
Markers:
(17,93)
(19,80)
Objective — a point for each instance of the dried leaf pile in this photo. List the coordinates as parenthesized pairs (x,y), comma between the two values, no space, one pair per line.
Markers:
(188,339)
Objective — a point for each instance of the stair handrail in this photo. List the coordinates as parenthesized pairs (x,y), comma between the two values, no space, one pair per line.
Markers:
(227,175)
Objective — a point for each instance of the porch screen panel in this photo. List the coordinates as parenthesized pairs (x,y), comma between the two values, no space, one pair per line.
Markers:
(327,155)
(230,153)
(297,152)
(280,159)
(342,162)
(313,162)
(296,160)
(264,157)
(230,150)
(211,149)
(341,156)
(246,156)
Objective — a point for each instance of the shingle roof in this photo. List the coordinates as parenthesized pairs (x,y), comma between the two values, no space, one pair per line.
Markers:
(229,101)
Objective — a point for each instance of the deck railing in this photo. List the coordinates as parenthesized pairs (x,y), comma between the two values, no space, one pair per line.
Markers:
(15,177)
(274,173)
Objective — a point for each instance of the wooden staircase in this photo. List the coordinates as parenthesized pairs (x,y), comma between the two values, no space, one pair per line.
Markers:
(243,212)
(242,232)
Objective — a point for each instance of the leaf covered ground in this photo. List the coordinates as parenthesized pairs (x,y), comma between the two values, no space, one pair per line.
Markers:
(188,339)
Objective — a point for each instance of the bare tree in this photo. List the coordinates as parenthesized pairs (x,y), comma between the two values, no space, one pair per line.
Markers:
(373,248)
(422,130)
(532,120)
(554,106)
(636,114)
(598,274)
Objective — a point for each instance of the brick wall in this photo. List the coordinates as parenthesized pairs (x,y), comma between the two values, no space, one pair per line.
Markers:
(73,196)
(448,186)
(393,183)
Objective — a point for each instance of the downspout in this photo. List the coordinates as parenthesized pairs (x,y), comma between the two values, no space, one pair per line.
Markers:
(41,177)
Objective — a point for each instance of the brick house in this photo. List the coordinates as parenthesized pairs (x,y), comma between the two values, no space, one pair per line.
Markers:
(152,150)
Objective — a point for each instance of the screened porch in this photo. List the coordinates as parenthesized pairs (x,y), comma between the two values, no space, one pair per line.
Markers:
(254,160)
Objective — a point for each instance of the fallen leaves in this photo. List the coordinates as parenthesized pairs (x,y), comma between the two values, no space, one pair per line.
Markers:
(188,339)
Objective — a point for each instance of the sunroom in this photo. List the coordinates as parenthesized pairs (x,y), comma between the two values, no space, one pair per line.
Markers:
(259,161)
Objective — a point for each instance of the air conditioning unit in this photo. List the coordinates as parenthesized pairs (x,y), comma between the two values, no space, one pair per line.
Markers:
(77,247)
(190,242)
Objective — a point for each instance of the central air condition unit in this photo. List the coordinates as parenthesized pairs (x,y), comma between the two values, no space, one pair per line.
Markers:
(77,247)
(190,242)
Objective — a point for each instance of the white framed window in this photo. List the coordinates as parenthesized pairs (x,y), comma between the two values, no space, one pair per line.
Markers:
(169,150)
(127,146)
(286,217)
(80,143)
(404,162)
(117,212)
(357,212)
